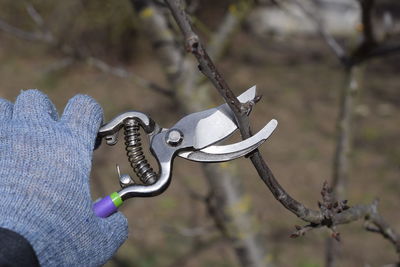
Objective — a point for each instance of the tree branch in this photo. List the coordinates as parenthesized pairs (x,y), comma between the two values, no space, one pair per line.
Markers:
(206,65)
(75,54)
(25,35)
(366,19)
(315,218)
(36,17)
(368,39)
(123,73)
(380,50)
(332,43)
(194,46)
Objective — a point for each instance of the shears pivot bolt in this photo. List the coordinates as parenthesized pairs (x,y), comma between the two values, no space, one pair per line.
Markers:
(174,137)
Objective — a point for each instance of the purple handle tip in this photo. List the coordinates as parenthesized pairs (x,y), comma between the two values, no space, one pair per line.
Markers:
(104,208)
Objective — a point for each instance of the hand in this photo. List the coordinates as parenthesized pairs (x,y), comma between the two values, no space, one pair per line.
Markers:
(44,180)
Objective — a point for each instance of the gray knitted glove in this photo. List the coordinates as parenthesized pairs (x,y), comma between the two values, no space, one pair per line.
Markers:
(44,181)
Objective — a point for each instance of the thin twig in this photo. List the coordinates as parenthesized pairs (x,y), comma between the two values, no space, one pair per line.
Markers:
(123,73)
(333,44)
(36,17)
(25,35)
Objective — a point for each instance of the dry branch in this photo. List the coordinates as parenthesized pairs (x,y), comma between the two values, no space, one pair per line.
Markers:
(208,68)
(123,73)
(316,218)
(25,35)
(333,44)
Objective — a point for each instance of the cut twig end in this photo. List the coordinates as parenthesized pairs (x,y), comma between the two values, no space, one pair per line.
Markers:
(246,108)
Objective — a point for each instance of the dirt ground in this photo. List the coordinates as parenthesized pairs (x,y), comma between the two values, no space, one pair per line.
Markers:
(300,82)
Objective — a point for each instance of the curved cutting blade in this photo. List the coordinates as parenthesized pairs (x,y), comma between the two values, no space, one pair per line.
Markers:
(233,151)
(204,128)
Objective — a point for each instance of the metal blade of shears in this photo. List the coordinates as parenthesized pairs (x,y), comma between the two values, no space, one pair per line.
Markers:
(232,151)
(210,126)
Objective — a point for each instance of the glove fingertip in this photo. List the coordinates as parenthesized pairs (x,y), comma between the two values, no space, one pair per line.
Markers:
(34,105)
(83,114)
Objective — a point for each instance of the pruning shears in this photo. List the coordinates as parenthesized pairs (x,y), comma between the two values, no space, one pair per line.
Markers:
(194,137)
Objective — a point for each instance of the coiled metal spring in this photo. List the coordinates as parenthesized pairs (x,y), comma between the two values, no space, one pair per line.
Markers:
(134,151)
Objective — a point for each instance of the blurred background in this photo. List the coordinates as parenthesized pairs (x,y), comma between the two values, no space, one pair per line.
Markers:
(129,55)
